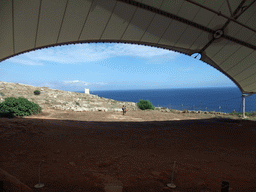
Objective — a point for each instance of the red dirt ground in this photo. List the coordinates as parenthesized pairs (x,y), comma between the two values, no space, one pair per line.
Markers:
(85,151)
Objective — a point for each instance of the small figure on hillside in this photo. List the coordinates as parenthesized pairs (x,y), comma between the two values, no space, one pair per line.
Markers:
(124,109)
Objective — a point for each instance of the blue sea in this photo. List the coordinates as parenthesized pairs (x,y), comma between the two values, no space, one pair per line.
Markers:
(225,99)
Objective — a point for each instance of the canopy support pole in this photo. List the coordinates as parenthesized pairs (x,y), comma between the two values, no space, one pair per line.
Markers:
(243,96)
(243,100)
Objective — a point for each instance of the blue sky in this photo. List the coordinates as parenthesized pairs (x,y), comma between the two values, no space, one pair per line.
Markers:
(110,66)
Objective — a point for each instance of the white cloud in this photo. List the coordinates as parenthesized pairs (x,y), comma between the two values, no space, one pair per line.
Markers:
(80,83)
(85,53)
(76,82)
(24,60)
(72,85)
(100,83)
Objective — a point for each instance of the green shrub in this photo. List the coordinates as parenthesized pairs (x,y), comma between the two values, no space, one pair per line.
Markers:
(1,94)
(18,107)
(249,114)
(36,92)
(253,114)
(145,104)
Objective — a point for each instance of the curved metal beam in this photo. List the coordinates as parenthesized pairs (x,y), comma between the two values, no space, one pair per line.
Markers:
(229,7)
(166,14)
(219,13)
(243,10)
(191,23)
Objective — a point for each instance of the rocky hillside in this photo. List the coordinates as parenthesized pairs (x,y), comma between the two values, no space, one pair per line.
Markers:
(63,100)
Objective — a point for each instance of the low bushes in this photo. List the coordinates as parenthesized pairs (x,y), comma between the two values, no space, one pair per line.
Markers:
(249,114)
(18,107)
(37,92)
(145,104)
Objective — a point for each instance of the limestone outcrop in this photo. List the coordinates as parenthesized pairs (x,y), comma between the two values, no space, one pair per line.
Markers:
(62,100)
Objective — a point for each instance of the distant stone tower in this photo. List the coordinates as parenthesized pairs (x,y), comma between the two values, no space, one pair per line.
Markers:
(86,91)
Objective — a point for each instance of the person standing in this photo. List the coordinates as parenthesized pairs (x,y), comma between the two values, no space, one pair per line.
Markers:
(124,109)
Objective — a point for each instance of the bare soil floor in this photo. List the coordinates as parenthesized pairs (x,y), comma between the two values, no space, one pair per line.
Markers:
(89,151)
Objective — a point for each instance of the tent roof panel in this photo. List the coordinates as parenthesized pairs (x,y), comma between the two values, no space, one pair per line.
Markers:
(241,54)
(243,33)
(251,87)
(156,29)
(51,15)
(234,29)
(244,74)
(140,22)
(214,5)
(224,9)
(252,40)
(226,52)
(73,21)
(98,18)
(25,19)
(216,47)
(200,42)
(153,3)
(224,34)
(174,32)
(148,37)
(6,32)
(119,21)
(164,41)
(189,11)
(171,6)
(248,73)
(244,64)
(248,14)
(204,17)
(233,5)
(132,33)
(217,22)
(188,37)
(249,81)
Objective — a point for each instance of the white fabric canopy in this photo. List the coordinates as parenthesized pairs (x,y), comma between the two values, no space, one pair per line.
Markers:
(222,31)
